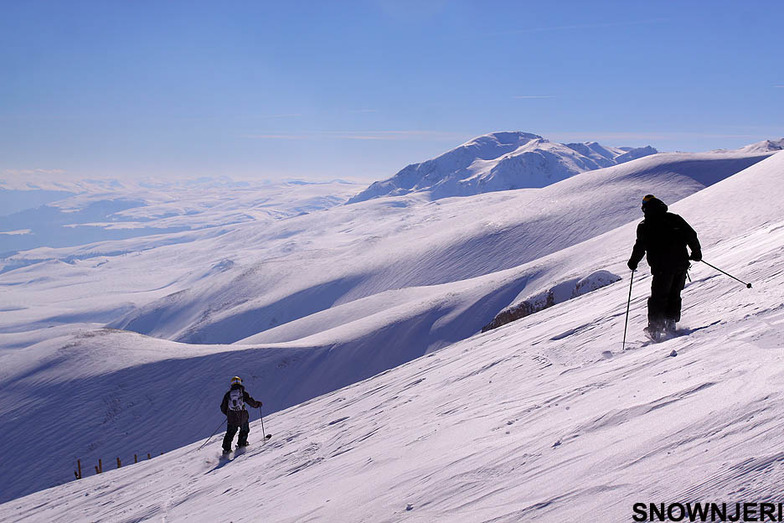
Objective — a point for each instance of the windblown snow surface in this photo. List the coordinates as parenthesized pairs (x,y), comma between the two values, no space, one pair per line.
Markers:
(546,418)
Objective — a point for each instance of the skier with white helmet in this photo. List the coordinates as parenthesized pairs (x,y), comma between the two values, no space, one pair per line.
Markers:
(233,406)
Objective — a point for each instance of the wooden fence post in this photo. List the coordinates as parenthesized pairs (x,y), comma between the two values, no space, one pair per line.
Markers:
(99,466)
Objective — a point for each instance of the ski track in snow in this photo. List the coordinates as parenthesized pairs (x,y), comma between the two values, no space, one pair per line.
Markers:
(543,419)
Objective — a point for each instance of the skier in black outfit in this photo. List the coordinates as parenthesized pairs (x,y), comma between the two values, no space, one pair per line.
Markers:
(664,236)
(233,406)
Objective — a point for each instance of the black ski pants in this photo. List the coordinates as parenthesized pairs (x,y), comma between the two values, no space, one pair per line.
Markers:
(665,301)
(231,430)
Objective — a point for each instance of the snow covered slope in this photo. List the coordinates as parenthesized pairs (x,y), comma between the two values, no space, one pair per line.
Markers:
(543,419)
(322,262)
(499,162)
(321,301)
(358,306)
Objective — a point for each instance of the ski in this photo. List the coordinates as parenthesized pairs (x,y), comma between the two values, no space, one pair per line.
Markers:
(654,335)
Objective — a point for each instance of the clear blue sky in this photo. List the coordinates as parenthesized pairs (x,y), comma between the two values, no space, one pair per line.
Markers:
(359,89)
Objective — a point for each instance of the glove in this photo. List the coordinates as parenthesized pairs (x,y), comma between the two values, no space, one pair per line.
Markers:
(696,255)
(631,265)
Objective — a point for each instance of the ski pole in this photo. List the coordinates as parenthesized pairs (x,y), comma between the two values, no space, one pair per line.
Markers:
(211,435)
(748,285)
(261,416)
(628,303)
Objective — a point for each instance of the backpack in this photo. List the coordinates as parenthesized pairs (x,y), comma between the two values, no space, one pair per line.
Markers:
(236,399)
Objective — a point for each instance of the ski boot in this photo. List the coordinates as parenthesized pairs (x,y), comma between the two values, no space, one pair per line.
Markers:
(654,333)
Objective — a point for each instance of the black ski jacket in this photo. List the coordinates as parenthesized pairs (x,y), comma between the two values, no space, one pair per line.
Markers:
(238,417)
(664,236)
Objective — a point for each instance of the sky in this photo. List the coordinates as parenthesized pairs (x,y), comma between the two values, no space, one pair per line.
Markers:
(360,89)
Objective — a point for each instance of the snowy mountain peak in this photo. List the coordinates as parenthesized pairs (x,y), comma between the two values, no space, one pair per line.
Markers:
(502,139)
(500,161)
(765,146)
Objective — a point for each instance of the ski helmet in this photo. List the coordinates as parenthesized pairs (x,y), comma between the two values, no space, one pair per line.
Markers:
(236,380)
(650,203)
(647,198)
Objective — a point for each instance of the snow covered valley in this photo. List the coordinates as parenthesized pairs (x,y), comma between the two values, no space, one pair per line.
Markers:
(358,326)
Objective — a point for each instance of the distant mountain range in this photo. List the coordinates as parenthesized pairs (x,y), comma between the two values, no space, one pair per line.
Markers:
(501,161)
(513,160)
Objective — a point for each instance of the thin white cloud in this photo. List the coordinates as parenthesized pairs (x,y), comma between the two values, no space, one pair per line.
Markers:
(395,135)
(363,135)
(280,116)
(641,136)
(28,172)
(278,136)
(608,25)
